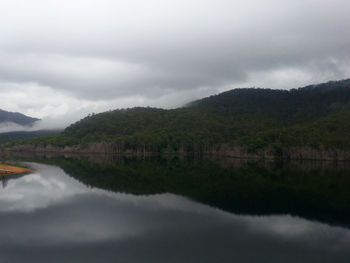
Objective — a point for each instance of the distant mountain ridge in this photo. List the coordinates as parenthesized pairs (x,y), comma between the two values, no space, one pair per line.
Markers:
(15,135)
(16,117)
(306,123)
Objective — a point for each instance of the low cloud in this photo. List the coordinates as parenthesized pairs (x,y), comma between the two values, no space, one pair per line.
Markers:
(64,58)
(11,126)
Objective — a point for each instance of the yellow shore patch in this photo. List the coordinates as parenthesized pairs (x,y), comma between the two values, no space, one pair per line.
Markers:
(10,170)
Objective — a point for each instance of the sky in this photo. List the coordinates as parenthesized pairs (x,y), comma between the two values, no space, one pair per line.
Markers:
(60,60)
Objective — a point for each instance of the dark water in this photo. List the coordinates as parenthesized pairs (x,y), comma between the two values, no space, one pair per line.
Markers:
(80,210)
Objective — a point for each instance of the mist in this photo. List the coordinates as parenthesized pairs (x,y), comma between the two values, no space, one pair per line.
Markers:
(61,60)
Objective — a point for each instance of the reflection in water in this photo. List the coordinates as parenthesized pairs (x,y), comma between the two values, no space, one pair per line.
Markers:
(6,178)
(317,191)
(48,216)
(4,182)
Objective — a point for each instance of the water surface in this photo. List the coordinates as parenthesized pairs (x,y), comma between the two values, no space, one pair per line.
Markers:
(63,213)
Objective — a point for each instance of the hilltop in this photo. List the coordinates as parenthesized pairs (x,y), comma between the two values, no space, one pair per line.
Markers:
(17,118)
(311,122)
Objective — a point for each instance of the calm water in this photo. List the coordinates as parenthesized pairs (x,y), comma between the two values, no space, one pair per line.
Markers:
(83,211)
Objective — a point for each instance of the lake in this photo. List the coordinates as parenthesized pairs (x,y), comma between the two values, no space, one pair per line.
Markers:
(114,209)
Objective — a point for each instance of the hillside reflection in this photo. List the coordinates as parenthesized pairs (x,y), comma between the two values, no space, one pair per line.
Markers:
(129,210)
(5,179)
(314,190)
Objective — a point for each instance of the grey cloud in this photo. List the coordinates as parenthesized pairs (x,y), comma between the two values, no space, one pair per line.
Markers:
(107,50)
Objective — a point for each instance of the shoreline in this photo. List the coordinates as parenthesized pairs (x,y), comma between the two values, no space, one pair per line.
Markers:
(299,153)
(6,169)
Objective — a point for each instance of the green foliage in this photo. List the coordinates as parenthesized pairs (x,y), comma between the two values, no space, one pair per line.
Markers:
(331,131)
(8,136)
(317,116)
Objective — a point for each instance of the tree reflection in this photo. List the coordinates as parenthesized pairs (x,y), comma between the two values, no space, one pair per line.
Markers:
(314,190)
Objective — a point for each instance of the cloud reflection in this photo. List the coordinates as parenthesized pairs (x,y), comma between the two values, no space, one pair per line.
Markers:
(50,217)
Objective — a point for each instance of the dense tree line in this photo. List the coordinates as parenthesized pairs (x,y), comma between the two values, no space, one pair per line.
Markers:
(8,136)
(316,116)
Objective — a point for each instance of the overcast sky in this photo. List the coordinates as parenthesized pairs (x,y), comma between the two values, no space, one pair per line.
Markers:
(65,59)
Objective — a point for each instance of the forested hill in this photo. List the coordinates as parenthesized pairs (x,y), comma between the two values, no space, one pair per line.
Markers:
(293,106)
(316,116)
(8,136)
(16,117)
